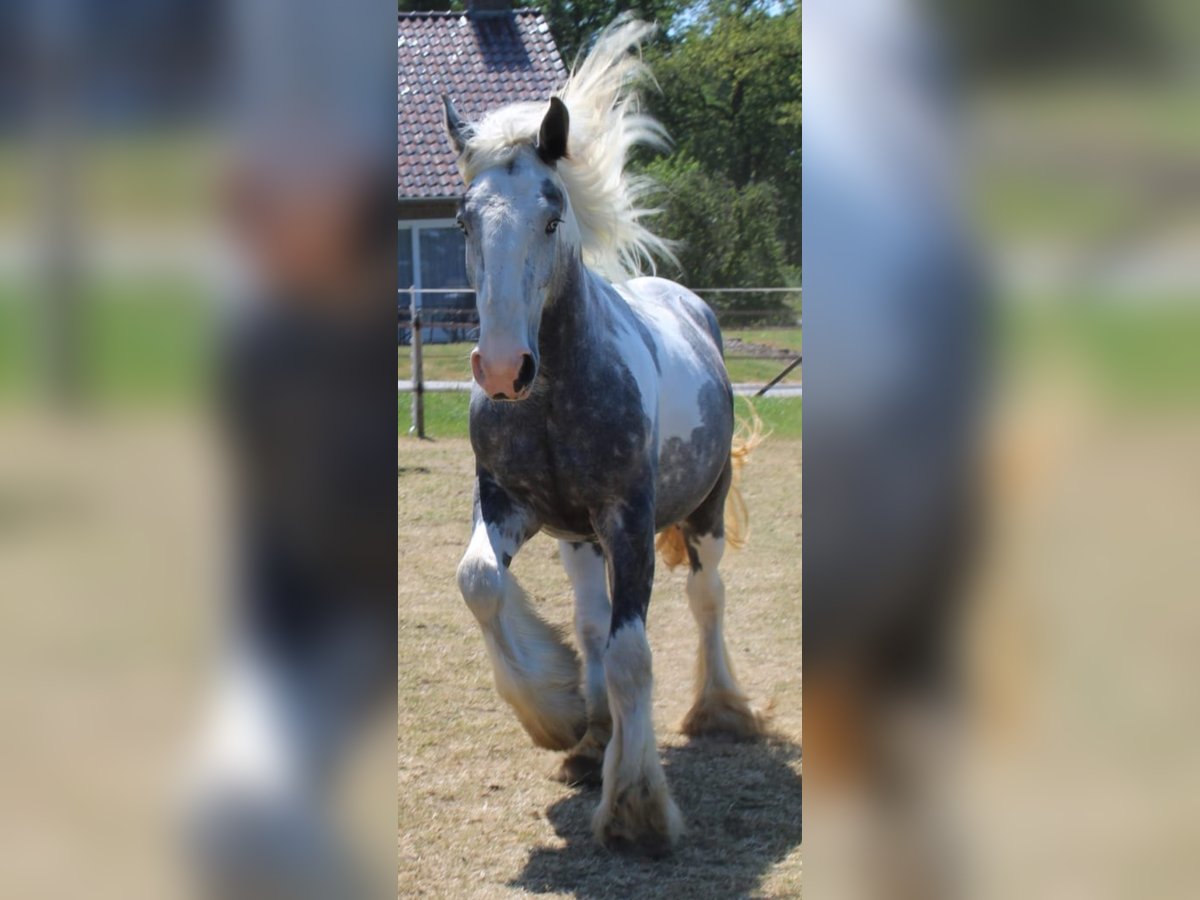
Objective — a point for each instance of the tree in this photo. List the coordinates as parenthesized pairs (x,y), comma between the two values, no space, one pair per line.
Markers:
(727,236)
(575,23)
(731,99)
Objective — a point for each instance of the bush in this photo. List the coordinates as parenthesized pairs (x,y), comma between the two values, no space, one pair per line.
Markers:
(726,237)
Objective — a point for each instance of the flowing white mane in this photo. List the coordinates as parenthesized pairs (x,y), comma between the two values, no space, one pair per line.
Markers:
(606,122)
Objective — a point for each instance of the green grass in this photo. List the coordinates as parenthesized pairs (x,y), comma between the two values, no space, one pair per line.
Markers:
(780,338)
(441,362)
(1143,355)
(756,371)
(781,416)
(16,347)
(1017,204)
(155,178)
(451,362)
(1033,192)
(446,415)
(143,341)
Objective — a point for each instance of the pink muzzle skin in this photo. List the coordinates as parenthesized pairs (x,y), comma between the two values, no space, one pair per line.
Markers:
(505,377)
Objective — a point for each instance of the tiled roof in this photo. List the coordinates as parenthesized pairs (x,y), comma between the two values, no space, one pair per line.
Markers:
(481,61)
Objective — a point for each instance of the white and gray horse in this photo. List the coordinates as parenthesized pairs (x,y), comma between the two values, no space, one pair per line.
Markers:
(602,415)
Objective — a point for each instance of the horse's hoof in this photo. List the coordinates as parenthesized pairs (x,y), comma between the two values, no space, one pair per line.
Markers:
(584,764)
(557,728)
(724,713)
(641,820)
(548,704)
(580,771)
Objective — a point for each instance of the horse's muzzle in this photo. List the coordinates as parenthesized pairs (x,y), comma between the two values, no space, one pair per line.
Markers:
(508,379)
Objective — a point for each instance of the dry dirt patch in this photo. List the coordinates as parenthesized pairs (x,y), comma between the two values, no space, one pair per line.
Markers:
(478,814)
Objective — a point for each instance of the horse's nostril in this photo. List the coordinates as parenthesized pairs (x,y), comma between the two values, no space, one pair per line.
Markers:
(525,376)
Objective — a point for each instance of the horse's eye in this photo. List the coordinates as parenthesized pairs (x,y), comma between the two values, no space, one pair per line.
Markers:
(552,226)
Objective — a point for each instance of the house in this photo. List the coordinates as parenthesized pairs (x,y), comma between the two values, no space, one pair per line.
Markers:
(482,59)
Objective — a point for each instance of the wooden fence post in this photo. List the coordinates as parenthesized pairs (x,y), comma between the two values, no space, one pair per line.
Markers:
(418,392)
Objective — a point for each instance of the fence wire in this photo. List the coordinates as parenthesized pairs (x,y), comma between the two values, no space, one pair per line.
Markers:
(454,322)
(448,327)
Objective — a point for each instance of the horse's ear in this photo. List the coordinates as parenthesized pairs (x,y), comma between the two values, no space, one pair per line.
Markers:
(456,128)
(552,136)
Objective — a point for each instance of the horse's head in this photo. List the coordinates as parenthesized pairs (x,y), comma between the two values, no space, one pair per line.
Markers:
(520,233)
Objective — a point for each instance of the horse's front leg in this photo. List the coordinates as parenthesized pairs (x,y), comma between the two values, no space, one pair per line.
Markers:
(587,570)
(636,810)
(535,671)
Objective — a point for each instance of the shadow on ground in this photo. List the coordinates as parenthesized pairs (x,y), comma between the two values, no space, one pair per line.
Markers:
(741,803)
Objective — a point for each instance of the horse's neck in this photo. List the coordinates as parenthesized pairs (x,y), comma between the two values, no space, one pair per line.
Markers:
(572,321)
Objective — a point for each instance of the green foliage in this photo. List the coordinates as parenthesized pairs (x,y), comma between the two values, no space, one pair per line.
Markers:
(727,236)
(576,22)
(731,100)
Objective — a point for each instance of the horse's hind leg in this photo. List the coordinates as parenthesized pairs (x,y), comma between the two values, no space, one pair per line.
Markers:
(587,570)
(720,706)
(535,671)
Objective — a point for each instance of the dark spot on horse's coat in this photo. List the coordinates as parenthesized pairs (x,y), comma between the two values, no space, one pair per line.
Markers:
(551,193)
(506,559)
(688,465)
(512,165)
(494,503)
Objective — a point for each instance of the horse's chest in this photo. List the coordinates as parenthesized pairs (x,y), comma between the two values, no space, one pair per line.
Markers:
(568,464)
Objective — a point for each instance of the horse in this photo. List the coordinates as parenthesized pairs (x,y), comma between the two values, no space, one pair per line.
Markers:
(602,414)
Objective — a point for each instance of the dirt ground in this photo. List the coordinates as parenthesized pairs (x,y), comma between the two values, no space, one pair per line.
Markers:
(478,813)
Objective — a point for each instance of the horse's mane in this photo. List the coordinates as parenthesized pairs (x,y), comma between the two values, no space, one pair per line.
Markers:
(606,122)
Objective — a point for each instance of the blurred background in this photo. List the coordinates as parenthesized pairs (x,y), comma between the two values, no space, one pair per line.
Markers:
(1036,165)
(195,242)
(1085,141)
(110,493)
(1002,296)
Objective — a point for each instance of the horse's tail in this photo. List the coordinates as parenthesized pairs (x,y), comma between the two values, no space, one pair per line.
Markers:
(749,434)
(672,547)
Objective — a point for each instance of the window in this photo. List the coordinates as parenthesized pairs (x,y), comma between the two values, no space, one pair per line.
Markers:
(404,280)
(443,258)
(405,275)
(433,257)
